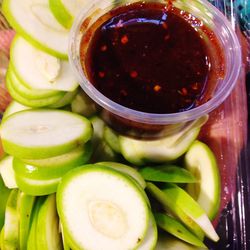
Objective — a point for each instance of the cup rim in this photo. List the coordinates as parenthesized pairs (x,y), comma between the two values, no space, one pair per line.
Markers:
(154,118)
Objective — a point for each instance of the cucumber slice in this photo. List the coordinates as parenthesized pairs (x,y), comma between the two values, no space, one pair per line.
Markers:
(201,161)
(170,206)
(7,172)
(166,149)
(11,224)
(83,105)
(14,107)
(65,100)
(37,187)
(28,92)
(150,240)
(126,170)
(64,240)
(26,204)
(32,242)
(103,152)
(191,208)
(112,139)
(35,103)
(48,236)
(98,126)
(4,191)
(34,21)
(175,228)
(39,134)
(54,167)
(94,210)
(167,173)
(48,72)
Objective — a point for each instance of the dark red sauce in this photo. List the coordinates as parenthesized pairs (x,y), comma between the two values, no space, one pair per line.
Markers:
(148,58)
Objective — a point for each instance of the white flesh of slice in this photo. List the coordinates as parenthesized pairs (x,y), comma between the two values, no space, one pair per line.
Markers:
(7,172)
(33,19)
(150,240)
(44,133)
(101,208)
(40,70)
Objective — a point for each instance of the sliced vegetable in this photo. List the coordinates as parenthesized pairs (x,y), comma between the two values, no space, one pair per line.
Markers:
(7,172)
(125,169)
(48,72)
(47,229)
(11,224)
(53,167)
(201,161)
(26,204)
(175,228)
(39,134)
(166,149)
(34,21)
(167,173)
(112,139)
(93,207)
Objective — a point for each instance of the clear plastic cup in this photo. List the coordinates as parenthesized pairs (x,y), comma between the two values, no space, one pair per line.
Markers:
(151,125)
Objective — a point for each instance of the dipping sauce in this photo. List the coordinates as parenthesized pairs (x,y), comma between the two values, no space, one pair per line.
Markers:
(148,58)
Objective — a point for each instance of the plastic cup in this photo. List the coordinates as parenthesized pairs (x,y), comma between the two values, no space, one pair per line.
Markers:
(151,125)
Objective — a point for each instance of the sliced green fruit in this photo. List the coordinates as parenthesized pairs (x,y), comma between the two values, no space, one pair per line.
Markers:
(93,207)
(39,134)
(167,173)
(48,72)
(166,149)
(66,11)
(171,207)
(26,204)
(7,172)
(150,240)
(32,238)
(14,107)
(4,191)
(83,105)
(48,235)
(34,21)
(37,187)
(65,100)
(201,161)
(34,103)
(191,208)
(54,167)
(98,127)
(103,152)
(11,224)
(125,169)
(64,240)
(112,139)
(171,243)
(2,239)
(175,228)
(30,92)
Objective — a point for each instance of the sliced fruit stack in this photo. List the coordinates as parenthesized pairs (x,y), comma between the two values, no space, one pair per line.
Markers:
(65,180)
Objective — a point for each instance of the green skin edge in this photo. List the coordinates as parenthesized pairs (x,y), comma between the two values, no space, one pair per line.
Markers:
(46,151)
(36,189)
(82,170)
(28,92)
(32,242)
(175,228)
(169,205)
(25,210)
(61,13)
(50,170)
(11,19)
(216,202)
(35,103)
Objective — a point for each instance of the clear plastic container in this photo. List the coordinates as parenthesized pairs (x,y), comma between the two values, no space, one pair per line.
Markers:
(149,125)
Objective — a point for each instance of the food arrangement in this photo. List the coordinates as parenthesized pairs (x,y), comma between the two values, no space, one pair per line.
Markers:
(67,174)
